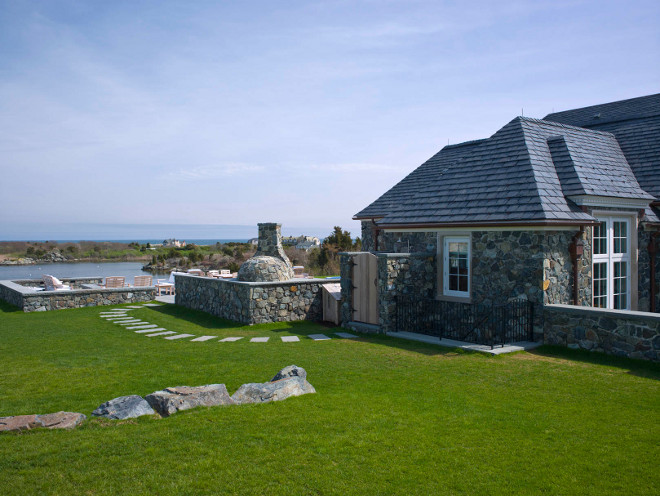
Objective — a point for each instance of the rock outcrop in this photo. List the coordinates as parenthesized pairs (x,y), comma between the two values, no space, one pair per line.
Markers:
(288,382)
(173,399)
(124,407)
(59,420)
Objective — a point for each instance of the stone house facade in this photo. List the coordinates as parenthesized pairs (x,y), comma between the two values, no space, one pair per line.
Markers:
(560,210)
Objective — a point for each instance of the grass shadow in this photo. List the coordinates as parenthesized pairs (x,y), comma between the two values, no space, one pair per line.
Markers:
(636,367)
(8,307)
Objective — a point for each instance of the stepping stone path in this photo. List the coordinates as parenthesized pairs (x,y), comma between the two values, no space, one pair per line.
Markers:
(152,330)
(180,336)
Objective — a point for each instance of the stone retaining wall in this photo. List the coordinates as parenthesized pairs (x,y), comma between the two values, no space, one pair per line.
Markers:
(253,302)
(615,332)
(18,293)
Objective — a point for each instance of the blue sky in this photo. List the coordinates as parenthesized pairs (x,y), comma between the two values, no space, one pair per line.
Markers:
(297,112)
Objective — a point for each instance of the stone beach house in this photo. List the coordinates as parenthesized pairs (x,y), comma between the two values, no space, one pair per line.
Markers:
(562,210)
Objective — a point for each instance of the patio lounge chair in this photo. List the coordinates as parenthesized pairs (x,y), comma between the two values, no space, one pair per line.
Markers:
(142,281)
(114,282)
(196,272)
(52,283)
(213,273)
(226,274)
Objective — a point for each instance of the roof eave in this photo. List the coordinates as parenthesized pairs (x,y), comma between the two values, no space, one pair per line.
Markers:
(437,225)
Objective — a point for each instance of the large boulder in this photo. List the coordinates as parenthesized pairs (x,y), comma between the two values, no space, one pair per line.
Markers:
(272,391)
(124,407)
(174,399)
(290,371)
(59,420)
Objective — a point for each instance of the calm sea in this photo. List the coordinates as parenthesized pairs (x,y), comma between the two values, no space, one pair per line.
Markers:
(60,270)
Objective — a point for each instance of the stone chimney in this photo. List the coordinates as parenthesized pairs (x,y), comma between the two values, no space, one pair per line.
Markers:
(270,242)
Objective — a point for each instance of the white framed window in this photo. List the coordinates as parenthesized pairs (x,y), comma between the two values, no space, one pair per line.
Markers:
(611,282)
(456,266)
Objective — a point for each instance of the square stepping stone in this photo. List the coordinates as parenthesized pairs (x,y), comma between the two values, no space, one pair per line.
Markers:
(230,340)
(117,317)
(259,340)
(152,305)
(150,330)
(159,334)
(120,312)
(180,336)
(345,335)
(318,337)
(143,326)
(204,338)
(290,339)
(135,306)
(131,322)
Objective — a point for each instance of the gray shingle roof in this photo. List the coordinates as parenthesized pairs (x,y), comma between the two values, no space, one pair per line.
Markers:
(511,177)
(636,125)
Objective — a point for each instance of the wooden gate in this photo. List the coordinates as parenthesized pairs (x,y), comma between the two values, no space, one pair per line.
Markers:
(365,288)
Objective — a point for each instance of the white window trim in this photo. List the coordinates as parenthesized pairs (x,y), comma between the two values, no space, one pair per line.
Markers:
(445,266)
(610,258)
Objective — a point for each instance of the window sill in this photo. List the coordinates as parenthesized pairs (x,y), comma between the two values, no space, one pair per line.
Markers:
(455,299)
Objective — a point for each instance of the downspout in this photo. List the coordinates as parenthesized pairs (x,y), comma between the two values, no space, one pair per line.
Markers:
(651,248)
(576,249)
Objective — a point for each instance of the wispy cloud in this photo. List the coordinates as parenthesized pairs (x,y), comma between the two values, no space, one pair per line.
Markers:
(214,171)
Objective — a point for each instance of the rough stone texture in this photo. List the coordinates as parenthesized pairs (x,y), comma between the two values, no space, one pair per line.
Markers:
(272,391)
(18,294)
(410,274)
(174,399)
(253,303)
(644,270)
(124,407)
(269,263)
(615,332)
(398,242)
(290,371)
(59,420)
(265,269)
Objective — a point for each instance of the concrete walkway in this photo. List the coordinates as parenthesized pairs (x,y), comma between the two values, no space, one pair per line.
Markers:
(482,348)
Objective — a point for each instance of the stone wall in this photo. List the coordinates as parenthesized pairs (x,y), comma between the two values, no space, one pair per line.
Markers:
(411,274)
(19,294)
(644,268)
(615,332)
(253,302)
(398,242)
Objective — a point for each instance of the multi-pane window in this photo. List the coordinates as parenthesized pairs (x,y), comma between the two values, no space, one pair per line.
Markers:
(611,263)
(456,266)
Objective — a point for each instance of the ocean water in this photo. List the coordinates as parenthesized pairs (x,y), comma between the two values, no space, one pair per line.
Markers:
(60,270)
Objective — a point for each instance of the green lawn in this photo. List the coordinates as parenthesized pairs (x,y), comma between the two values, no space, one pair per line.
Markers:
(389,416)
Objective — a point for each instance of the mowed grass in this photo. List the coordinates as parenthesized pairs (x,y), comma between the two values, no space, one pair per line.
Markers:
(389,416)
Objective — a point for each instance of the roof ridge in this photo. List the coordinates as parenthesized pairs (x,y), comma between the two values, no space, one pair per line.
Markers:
(625,100)
(464,143)
(564,126)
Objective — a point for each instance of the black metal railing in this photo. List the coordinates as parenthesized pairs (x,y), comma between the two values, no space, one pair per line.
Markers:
(475,323)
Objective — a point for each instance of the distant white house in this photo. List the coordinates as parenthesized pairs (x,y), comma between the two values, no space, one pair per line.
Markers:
(302,242)
(254,241)
(174,243)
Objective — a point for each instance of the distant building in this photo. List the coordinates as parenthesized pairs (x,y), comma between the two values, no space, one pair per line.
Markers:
(301,242)
(254,241)
(174,243)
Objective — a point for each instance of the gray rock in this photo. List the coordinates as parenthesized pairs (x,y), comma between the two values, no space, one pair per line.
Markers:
(124,407)
(174,399)
(290,371)
(272,391)
(59,420)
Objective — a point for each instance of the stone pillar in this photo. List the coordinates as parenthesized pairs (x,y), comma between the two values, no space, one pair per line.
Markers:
(270,242)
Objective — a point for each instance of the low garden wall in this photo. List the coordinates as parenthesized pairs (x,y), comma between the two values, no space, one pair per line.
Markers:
(253,302)
(615,332)
(22,294)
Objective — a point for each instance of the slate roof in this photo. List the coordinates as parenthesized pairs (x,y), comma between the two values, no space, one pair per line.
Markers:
(521,174)
(636,125)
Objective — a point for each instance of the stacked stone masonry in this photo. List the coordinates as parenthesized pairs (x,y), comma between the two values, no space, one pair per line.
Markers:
(18,293)
(615,332)
(252,302)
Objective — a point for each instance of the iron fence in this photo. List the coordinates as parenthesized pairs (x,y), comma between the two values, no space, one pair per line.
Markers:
(475,323)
